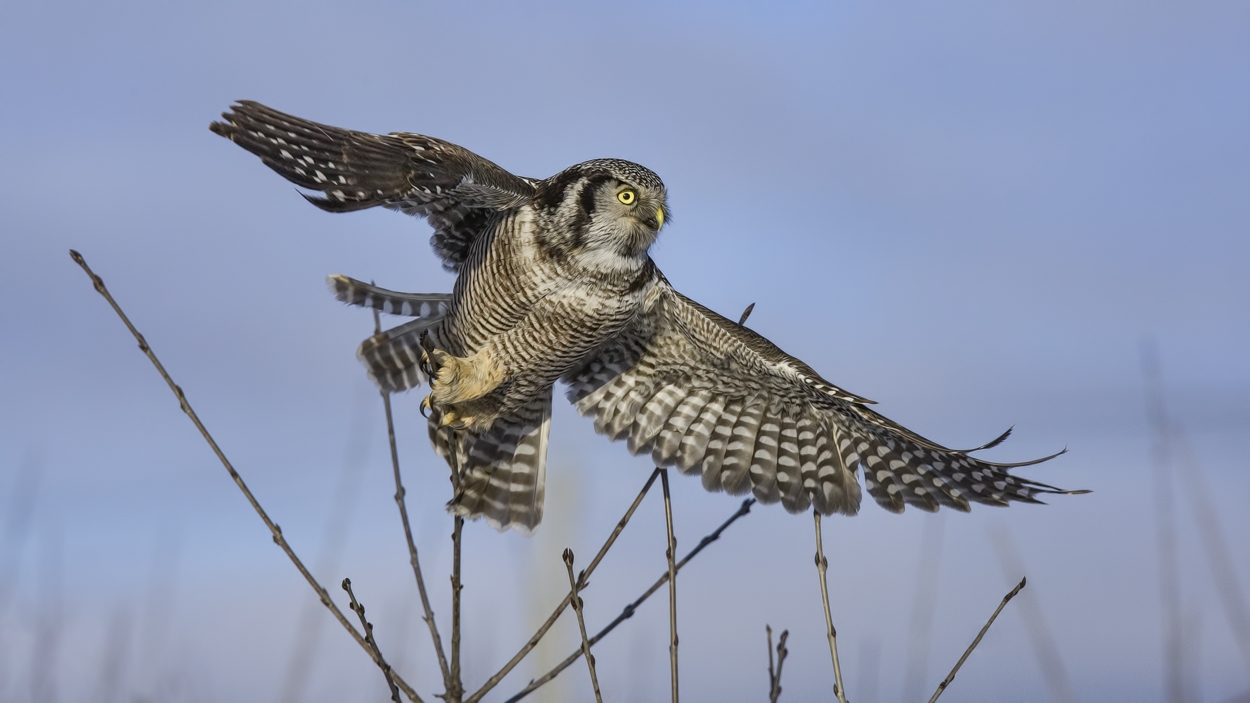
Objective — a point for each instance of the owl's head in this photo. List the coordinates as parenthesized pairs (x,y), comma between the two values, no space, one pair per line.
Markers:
(606,205)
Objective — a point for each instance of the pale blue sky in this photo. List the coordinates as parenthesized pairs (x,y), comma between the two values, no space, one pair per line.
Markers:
(971,212)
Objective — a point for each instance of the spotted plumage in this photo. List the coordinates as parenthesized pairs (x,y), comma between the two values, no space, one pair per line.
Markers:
(555,283)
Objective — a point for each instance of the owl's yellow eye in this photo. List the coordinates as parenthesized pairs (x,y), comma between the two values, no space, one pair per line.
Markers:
(627,197)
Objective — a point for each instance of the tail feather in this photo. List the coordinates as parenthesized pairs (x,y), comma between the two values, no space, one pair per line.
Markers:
(502,470)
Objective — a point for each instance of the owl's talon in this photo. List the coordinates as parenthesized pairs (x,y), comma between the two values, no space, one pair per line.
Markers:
(426,406)
(426,367)
(455,420)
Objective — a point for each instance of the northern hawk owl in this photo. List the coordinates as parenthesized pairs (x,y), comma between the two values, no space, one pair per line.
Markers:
(554,282)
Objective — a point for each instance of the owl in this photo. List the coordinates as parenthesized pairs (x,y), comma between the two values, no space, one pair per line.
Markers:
(554,282)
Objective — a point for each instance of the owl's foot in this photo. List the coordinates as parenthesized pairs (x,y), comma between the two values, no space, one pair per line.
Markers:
(459,384)
(458,379)
(470,415)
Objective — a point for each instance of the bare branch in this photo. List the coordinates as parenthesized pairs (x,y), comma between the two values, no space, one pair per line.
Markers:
(456,689)
(1049,658)
(582,582)
(359,609)
(400,501)
(629,610)
(581,625)
(774,678)
(822,565)
(274,529)
(951,676)
(671,554)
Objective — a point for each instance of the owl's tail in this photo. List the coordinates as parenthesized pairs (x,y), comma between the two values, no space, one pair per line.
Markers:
(502,470)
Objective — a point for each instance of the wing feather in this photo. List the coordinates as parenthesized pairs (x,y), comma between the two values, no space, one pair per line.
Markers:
(763,471)
(789,465)
(627,407)
(366,295)
(393,358)
(741,449)
(718,444)
(698,391)
(459,192)
(693,452)
(668,443)
(653,416)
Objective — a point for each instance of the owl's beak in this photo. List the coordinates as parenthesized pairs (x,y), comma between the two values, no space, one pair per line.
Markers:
(659,217)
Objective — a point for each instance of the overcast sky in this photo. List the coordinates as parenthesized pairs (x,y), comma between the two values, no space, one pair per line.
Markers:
(975,213)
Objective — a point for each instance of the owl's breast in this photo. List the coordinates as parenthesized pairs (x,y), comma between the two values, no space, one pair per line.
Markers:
(505,274)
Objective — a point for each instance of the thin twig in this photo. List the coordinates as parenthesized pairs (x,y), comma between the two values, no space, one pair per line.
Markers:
(582,582)
(671,554)
(822,565)
(400,494)
(581,624)
(359,609)
(455,686)
(774,678)
(456,689)
(274,529)
(628,611)
(951,676)
(1045,649)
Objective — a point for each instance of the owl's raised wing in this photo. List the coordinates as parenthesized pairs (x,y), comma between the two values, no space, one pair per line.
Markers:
(458,191)
(712,397)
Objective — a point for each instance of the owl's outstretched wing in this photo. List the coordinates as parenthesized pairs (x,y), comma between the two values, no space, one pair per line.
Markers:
(458,191)
(393,357)
(712,397)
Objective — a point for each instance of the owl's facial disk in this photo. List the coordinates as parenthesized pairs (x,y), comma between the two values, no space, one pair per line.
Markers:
(643,206)
(608,210)
(623,216)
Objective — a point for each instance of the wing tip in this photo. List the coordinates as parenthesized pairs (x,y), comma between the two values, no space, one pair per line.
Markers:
(340,287)
(992,443)
(238,108)
(336,205)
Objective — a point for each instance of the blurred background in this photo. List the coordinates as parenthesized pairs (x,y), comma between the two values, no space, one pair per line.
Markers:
(979,214)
